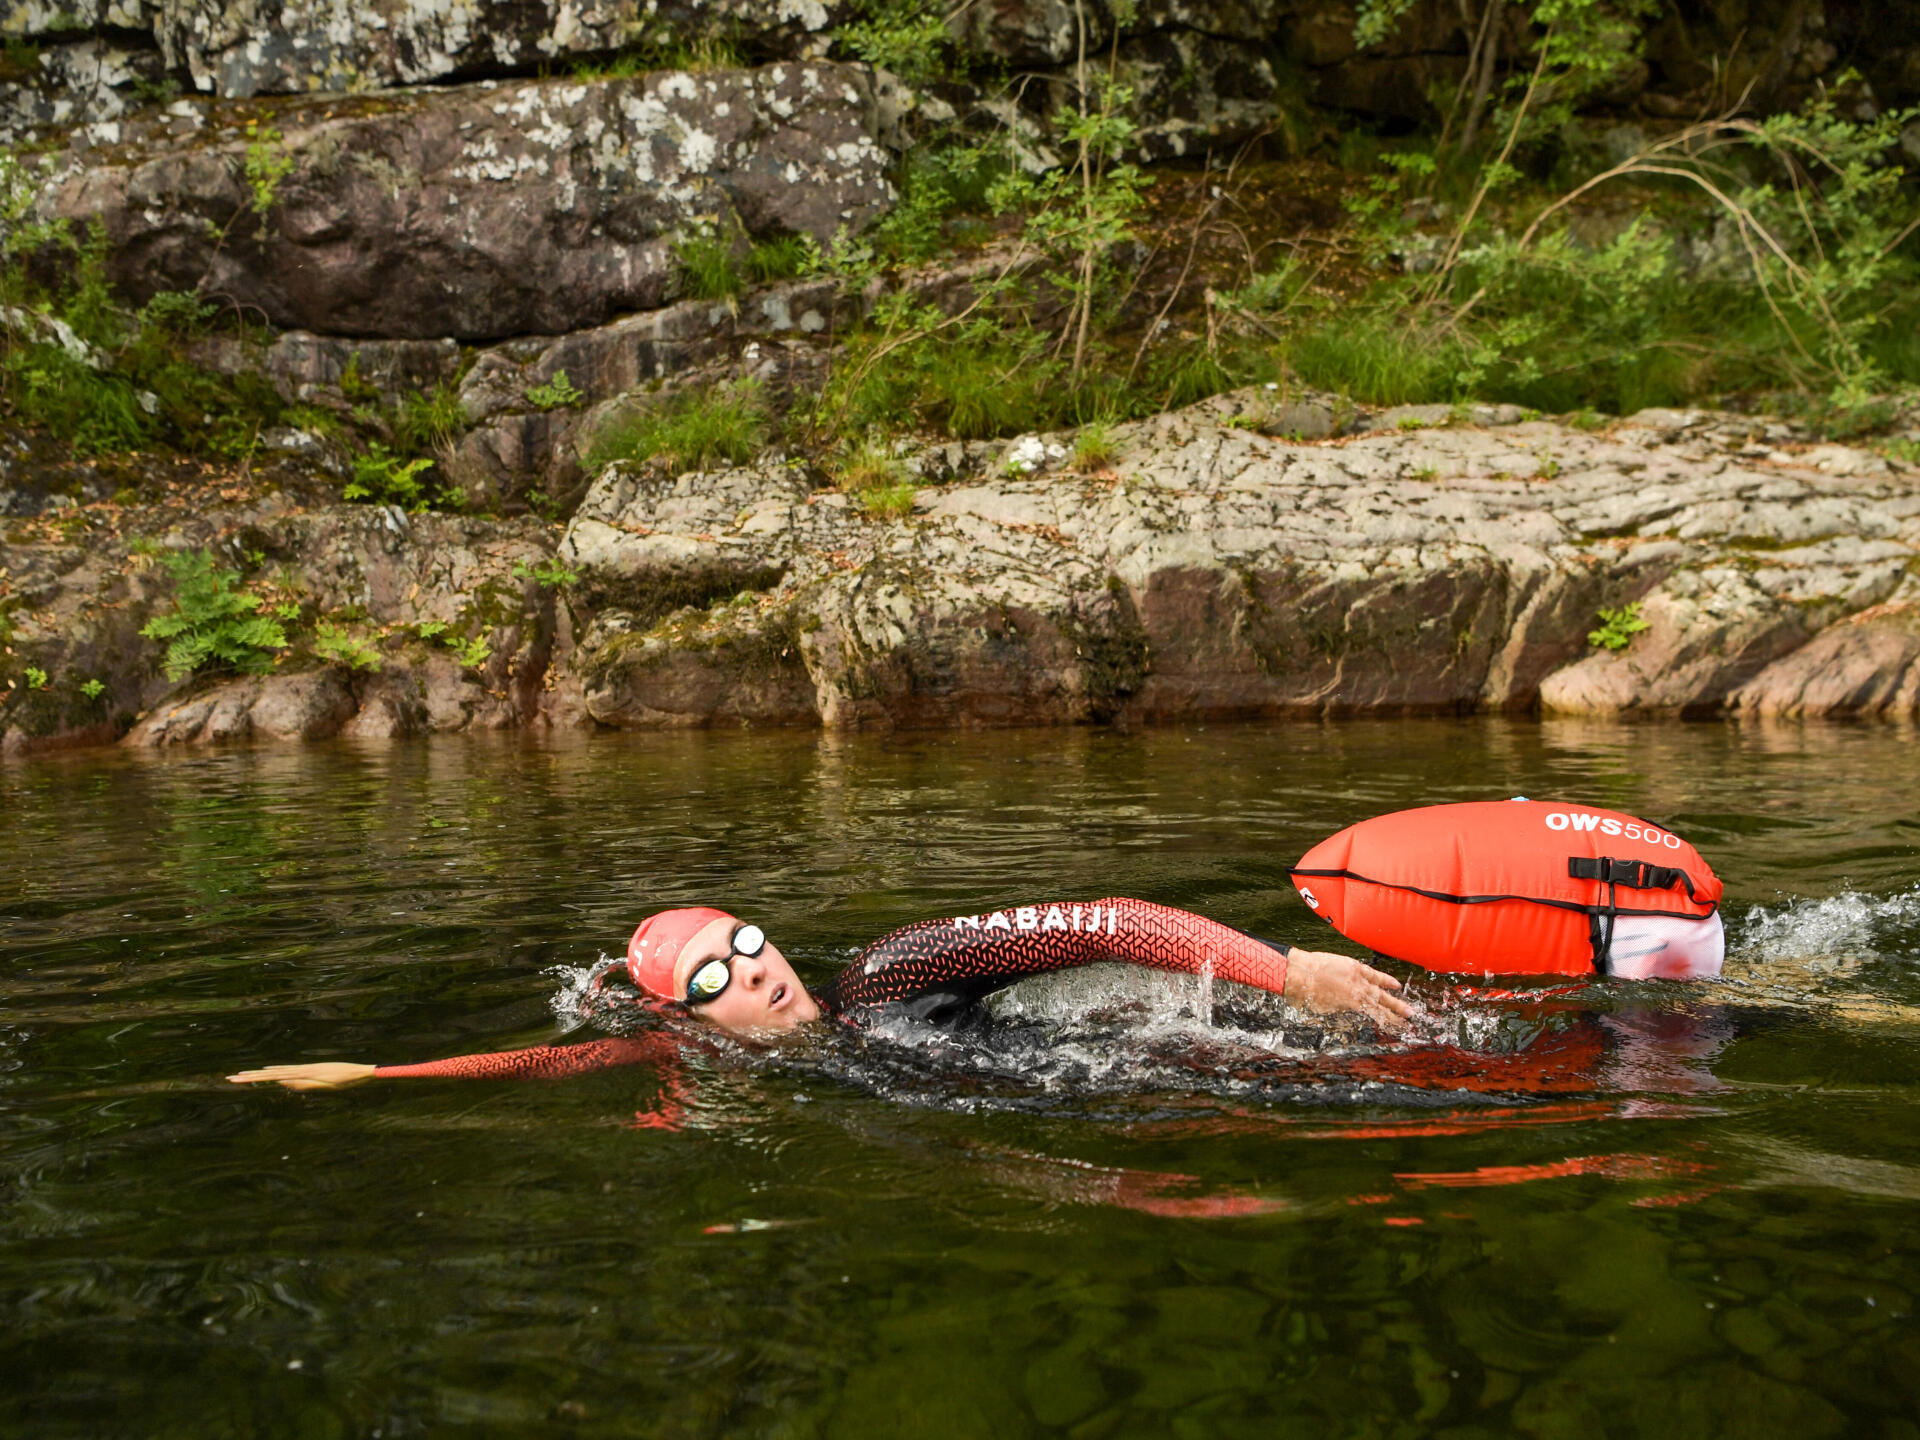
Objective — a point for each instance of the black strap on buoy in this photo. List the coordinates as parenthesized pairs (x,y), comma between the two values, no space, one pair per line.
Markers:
(1636,874)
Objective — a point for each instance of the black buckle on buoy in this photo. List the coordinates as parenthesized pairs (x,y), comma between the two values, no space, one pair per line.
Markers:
(1636,874)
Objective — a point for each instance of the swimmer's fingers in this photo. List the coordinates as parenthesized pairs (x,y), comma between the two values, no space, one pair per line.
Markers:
(1323,981)
(1383,1003)
(1385,1008)
(324,1075)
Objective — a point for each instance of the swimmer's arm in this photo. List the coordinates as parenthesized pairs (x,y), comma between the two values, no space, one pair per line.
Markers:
(538,1062)
(1168,939)
(972,956)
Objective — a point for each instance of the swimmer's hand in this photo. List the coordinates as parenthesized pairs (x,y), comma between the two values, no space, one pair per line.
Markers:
(1320,980)
(326,1075)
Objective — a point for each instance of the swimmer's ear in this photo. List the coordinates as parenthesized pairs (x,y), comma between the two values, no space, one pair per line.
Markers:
(325,1075)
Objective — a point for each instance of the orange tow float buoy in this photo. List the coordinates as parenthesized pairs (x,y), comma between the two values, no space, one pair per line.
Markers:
(1510,887)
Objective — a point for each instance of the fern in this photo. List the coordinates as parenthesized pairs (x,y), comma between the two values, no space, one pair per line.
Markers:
(213,624)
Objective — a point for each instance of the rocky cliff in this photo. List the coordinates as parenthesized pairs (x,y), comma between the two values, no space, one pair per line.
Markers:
(486,207)
(1222,566)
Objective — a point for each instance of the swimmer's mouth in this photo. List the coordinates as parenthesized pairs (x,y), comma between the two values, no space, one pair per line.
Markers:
(779,998)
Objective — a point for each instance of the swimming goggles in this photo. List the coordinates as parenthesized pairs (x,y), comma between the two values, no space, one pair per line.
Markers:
(710,981)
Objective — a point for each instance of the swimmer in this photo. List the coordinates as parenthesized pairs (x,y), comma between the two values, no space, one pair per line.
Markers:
(725,971)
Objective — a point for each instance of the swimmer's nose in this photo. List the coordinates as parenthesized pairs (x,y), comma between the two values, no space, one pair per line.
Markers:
(750,971)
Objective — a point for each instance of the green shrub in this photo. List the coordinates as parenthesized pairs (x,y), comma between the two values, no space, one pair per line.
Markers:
(557,394)
(113,379)
(977,384)
(429,421)
(876,481)
(866,466)
(935,182)
(337,644)
(906,37)
(1617,627)
(693,430)
(383,478)
(19,60)
(711,270)
(268,164)
(1817,294)
(470,654)
(214,625)
(549,574)
(712,52)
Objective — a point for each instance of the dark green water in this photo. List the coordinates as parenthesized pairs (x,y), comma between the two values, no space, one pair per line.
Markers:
(1629,1210)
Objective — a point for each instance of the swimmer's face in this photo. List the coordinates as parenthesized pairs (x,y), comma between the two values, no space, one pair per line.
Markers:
(764,993)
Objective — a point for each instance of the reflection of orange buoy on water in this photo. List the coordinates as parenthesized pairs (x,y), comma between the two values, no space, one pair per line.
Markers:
(1520,887)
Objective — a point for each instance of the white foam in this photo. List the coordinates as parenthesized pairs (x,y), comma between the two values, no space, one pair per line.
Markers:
(1849,926)
(579,998)
(1146,1004)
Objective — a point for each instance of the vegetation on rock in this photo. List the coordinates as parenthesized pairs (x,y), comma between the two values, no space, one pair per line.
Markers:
(691,430)
(383,478)
(214,624)
(1618,626)
(340,646)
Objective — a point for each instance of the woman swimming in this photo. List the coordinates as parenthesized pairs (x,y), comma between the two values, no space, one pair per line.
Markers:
(727,972)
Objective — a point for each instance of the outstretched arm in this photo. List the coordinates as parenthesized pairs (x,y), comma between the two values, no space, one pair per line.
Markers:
(971,956)
(541,1061)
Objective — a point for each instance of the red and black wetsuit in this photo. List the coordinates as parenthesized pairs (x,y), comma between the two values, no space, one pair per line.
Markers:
(937,970)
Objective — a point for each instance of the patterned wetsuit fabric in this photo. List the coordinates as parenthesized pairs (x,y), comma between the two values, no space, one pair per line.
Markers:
(542,1060)
(938,966)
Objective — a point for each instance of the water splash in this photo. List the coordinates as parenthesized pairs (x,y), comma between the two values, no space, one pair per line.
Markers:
(589,994)
(1850,927)
(1106,1040)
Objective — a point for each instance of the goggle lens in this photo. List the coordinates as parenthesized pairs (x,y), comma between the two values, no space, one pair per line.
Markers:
(710,979)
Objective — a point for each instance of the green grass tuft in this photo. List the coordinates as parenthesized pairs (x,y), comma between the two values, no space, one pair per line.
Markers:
(1095,448)
(887,502)
(693,430)
(707,269)
(780,258)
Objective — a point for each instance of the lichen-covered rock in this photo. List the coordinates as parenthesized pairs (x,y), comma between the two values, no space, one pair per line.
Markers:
(38,19)
(518,447)
(1213,572)
(723,669)
(464,633)
(1708,632)
(409,696)
(309,706)
(1867,666)
(1220,573)
(306,368)
(481,211)
(1195,90)
(79,82)
(293,46)
(645,544)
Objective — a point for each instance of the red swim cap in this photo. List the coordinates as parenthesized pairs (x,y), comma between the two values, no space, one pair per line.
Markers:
(656,945)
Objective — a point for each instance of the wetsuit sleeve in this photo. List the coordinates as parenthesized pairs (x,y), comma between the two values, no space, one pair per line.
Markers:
(940,962)
(541,1061)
